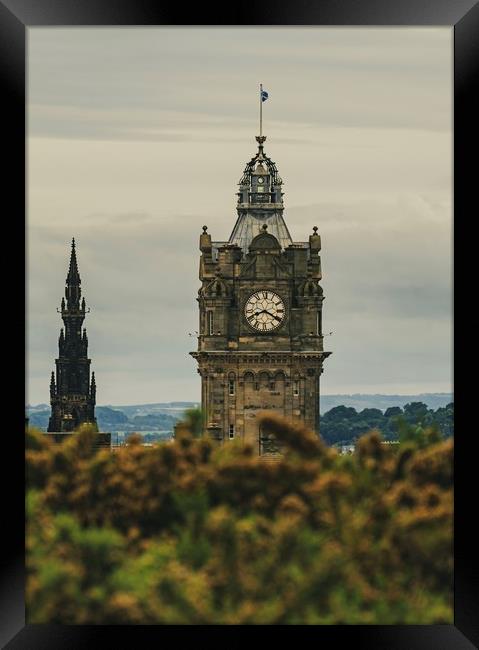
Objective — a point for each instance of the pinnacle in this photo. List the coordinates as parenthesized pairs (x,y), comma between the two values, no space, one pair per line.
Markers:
(73,276)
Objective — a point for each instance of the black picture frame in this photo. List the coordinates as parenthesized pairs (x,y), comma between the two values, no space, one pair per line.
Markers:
(15,17)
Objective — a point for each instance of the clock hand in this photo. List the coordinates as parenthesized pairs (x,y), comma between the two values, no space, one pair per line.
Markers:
(273,315)
(265,311)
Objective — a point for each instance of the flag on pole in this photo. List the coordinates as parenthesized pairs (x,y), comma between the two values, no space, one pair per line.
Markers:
(264,95)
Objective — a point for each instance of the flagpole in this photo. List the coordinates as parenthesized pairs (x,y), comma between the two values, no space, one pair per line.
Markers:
(260,110)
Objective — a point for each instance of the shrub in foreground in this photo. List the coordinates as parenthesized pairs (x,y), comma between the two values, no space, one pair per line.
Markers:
(185,533)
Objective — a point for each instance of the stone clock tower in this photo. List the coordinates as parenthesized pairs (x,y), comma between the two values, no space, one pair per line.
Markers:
(260,343)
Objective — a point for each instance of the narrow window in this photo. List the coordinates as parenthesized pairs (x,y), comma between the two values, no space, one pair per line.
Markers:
(256,385)
(272,385)
(232,431)
(296,387)
(231,387)
(209,317)
(318,323)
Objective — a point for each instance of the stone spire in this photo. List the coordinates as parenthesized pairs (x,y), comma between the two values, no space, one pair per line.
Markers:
(70,394)
(73,281)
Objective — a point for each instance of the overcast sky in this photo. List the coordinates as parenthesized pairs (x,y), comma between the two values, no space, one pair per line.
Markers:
(137,137)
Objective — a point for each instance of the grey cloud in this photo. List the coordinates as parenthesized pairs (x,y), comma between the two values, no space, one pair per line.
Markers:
(391,80)
(138,139)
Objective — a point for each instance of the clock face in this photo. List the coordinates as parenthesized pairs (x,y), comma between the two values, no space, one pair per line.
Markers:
(264,310)
(260,180)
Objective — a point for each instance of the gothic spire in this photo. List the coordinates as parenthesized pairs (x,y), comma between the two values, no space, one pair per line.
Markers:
(73,277)
(72,396)
(73,282)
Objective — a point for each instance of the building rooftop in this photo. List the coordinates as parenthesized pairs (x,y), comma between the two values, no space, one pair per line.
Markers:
(250,224)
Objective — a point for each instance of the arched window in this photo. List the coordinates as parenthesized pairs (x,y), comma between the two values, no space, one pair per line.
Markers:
(264,379)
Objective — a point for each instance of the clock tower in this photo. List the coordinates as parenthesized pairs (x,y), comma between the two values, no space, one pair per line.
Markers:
(260,343)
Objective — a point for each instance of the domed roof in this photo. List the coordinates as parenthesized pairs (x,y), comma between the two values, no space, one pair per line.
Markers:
(260,164)
(264,241)
(249,225)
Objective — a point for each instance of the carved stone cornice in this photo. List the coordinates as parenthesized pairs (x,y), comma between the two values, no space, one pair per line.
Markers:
(261,358)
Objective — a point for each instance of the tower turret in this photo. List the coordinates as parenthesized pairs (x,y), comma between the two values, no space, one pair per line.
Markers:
(93,388)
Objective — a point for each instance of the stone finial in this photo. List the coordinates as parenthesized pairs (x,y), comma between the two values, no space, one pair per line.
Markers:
(205,241)
(315,240)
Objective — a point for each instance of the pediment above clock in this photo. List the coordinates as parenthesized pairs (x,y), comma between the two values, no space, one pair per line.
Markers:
(265,242)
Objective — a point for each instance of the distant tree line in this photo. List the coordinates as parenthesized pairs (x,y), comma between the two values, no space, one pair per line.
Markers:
(339,425)
(115,420)
(344,425)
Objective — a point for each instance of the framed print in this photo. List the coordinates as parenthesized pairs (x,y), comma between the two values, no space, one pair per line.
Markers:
(134,121)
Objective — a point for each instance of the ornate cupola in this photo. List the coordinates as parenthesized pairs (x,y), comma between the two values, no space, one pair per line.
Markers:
(72,395)
(260,201)
(260,185)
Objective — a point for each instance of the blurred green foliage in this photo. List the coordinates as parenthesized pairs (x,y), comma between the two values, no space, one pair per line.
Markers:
(344,425)
(186,533)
